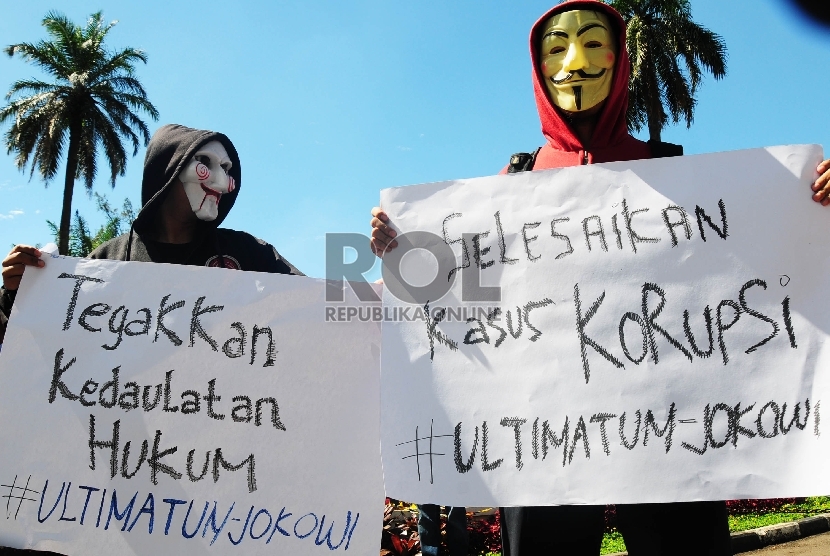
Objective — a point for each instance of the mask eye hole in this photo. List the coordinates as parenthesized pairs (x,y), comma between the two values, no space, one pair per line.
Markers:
(557,50)
(203,159)
(226,166)
(593,44)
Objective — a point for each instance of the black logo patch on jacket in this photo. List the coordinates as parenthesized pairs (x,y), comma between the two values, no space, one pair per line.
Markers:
(226,261)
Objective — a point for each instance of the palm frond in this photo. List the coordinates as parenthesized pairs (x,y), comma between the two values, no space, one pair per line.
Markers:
(45,55)
(669,54)
(31,87)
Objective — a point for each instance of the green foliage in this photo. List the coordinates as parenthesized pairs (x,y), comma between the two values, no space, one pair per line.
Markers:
(669,53)
(89,103)
(788,512)
(117,222)
(753,521)
(81,242)
(813,505)
(612,542)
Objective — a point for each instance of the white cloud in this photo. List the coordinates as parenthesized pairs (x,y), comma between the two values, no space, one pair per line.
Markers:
(400,148)
(11,214)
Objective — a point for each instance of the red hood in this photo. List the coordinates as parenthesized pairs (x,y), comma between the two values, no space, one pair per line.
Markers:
(611,128)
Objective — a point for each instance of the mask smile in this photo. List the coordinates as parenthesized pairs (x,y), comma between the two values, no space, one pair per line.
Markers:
(581,73)
(209,193)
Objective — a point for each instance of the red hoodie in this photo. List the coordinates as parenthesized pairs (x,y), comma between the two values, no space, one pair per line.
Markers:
(611,141)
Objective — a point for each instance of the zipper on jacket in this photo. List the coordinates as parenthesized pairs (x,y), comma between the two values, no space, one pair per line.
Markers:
(584,157)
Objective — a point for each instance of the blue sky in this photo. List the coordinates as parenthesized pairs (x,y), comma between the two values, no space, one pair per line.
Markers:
(328,102)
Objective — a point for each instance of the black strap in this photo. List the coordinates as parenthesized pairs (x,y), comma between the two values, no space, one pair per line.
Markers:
(522,162)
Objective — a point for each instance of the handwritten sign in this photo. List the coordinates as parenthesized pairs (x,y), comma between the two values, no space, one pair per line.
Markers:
(162,409)
(659,335)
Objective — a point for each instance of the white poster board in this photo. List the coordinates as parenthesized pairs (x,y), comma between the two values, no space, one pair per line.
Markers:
(594,380)
(163,409)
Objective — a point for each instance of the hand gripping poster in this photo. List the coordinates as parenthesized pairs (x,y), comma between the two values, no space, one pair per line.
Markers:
(163,409)
(645,331)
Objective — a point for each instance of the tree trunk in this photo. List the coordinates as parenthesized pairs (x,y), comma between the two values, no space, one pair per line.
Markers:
(68,187)
(654,128)
(654,108)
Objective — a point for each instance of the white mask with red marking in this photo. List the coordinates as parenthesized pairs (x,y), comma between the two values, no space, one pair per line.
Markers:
(206,178)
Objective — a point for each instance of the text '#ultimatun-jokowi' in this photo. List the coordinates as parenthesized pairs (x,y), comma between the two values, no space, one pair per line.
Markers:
(722,426)
(123,512)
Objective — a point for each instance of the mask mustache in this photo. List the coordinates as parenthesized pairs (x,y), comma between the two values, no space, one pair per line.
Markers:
(581,73)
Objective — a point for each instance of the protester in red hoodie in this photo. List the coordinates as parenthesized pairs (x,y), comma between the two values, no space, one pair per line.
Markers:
(580,80)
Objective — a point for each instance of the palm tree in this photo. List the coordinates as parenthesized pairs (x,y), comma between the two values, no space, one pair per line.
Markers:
(90,102)
(668,54)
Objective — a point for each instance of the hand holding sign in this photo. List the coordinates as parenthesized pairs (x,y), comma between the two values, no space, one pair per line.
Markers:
(16,262)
